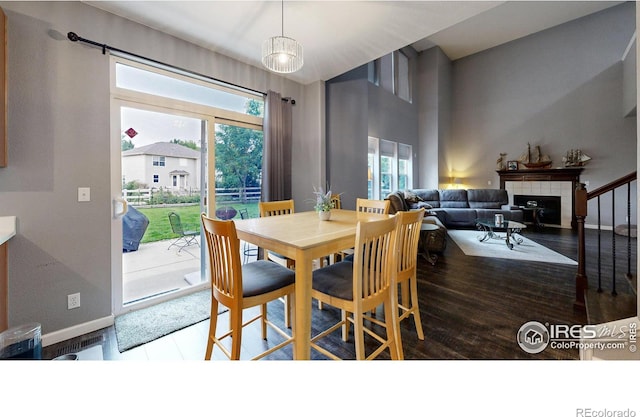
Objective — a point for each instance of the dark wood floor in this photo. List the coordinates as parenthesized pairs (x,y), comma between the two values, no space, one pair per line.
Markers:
(471,308)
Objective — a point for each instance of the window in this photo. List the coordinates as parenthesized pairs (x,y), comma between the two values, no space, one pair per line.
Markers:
(185,88)
(372,169)
(373,72)
(156,179)
(389,167)
(405,167)
(402,79)
(158,161)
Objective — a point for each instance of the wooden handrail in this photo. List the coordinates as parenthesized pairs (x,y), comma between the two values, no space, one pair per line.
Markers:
(612,185)
(581,198)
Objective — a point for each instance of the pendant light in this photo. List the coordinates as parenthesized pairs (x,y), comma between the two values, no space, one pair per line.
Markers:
(282,54)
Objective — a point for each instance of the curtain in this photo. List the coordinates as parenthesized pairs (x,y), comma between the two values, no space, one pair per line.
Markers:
(276,154)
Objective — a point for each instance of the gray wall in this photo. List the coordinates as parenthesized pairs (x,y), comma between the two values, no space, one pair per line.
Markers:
(357,109)
(434,120)
(347,127)
(560,89)
(59,140)
(629,85)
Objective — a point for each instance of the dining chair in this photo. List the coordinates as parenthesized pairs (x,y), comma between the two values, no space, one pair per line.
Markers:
(408,237)
(239,287)
(247,250)
(361,286)
(277,208)
(366,206)
(373,206)
(336,200)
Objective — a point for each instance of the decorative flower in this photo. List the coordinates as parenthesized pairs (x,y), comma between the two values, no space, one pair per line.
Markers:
(323,200)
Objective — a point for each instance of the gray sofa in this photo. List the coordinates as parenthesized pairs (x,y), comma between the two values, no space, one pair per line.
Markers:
(457,208)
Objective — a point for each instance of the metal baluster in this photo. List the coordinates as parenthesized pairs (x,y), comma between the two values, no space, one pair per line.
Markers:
(629,276)
(599,245)
(613,241)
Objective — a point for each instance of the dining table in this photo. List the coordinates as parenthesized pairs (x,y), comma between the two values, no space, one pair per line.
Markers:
(303,237)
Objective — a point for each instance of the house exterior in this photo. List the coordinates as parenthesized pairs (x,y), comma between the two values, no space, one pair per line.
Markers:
(163,165)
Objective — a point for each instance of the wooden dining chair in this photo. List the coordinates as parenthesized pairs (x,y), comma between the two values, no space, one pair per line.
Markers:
(366,206)
(361,286)
(277,208)
(373,206)
(239,287)
(408,237)
(336,200)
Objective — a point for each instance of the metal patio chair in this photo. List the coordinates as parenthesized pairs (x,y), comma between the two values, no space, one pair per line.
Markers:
(185,237)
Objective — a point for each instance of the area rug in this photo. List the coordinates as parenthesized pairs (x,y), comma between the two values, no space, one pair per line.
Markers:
(147,324)
(528,250)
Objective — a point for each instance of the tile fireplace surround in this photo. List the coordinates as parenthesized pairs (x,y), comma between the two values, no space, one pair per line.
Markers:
(560,189)
(554,182)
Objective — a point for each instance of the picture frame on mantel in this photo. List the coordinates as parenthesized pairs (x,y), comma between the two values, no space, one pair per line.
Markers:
(512,165)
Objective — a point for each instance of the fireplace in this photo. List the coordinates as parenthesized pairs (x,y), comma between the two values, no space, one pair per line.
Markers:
(553,182)
(550,206)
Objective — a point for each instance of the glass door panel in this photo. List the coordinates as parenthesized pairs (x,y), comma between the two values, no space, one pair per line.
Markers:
(238,172)
(163,172)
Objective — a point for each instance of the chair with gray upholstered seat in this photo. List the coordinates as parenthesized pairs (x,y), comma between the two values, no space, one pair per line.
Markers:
(239,287)
(408,231)
(361,286)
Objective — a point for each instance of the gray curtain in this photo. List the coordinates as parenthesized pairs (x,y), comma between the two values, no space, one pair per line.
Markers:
(276,156)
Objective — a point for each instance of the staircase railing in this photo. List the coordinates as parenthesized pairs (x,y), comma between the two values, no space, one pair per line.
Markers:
(581,200)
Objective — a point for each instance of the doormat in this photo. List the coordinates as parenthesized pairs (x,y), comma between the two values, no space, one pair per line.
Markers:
(145,325)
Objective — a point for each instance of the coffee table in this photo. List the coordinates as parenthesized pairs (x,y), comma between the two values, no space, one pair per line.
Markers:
(491,226)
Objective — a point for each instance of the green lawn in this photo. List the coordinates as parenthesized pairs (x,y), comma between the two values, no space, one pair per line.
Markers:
(160,229)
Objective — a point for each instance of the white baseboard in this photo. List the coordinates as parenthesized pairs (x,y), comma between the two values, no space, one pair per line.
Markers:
(77,330)
(595,226)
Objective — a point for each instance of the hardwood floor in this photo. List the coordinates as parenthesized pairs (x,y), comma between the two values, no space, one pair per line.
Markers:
(471,308)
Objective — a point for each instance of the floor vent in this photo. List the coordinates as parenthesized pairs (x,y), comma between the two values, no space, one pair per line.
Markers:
(79,345)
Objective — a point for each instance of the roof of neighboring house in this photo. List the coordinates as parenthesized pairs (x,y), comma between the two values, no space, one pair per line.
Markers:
(164,149)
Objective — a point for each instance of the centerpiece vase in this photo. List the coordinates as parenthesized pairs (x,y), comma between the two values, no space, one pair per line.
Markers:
(324,215)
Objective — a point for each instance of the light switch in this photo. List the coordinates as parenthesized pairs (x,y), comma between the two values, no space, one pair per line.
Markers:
(84,194)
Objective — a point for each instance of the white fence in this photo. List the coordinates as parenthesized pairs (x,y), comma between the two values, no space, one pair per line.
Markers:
(249,194)
(137,197)
(143,196)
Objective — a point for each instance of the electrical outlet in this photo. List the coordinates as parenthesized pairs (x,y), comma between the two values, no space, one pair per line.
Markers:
(73,301)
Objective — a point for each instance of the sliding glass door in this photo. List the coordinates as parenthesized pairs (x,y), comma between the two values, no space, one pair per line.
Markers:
(162,181)
(166,129)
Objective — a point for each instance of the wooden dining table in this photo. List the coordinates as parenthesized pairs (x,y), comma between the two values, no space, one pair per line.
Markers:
(304,237)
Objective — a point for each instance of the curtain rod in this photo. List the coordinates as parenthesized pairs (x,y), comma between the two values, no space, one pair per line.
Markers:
(73,37)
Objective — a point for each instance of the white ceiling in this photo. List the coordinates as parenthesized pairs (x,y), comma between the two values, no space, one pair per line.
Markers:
(338,36)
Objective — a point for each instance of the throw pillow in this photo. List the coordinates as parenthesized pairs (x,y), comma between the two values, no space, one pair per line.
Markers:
(420,205)
(411,197)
